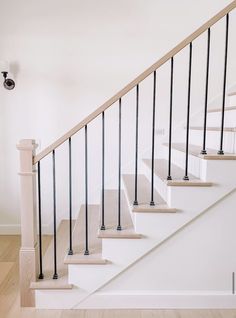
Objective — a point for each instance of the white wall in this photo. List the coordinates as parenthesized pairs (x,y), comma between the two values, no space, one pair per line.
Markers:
(69,57)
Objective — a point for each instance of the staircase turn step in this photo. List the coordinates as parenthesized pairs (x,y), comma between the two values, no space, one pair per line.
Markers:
(144,189)
(78,238)
(177,173)
(111,215)
(195,150)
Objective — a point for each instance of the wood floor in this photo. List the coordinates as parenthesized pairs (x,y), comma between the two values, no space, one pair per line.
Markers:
(9,295)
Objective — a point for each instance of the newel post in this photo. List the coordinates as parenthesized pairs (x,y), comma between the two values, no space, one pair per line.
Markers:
(28,251)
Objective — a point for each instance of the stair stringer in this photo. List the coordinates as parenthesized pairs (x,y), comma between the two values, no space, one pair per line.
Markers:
(191,269)
(123,253)
(156,227)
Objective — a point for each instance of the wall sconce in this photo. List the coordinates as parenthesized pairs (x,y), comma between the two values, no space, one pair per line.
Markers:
(8,83)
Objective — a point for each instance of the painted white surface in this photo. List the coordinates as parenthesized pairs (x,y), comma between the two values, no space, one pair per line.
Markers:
(200,258)
(67,59)
(157,227)
(192,269)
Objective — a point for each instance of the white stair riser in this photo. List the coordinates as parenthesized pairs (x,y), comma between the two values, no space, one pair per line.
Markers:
(213,139)
(159,185)
(179,157)
(58,299)
(214,119)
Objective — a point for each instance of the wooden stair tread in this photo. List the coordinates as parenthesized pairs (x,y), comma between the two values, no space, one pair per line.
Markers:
(49,283)
(195,150)
(227,129)
(144,187)
(78,238)
(217,110)
(111,211)
(95,259)
(161,170)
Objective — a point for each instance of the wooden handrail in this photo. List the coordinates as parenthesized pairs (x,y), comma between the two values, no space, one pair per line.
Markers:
(136,81)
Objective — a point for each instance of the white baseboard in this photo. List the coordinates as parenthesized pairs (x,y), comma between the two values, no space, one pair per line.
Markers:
(160,301)
(61,299)
(10,229)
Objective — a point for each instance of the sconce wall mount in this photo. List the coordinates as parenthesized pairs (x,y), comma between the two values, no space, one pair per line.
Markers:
(8,83)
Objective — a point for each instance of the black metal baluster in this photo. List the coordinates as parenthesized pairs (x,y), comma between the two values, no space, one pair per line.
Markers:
(204,152)
(221,152)
(119,228)
(152,203)
(70,252)
(136,149)
(186,178)
(103,171)
(40,224)
(86,252)
(55,275)
(170,119)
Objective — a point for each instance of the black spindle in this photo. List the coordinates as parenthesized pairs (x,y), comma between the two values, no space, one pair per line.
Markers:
(40,225)
(152,203)
(119,228)
(204,152)
(70,252)
(170,119)
(221,152)
(186,178)
(86,252)
(55,275)
(136,149)
(103,172)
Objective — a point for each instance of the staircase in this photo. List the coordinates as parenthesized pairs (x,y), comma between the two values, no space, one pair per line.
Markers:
(148,243)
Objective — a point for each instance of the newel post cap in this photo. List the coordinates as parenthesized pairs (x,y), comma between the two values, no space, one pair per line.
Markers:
(27,144)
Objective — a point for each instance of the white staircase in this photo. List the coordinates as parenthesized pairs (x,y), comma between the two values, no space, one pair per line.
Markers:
(178,253)
(145,228)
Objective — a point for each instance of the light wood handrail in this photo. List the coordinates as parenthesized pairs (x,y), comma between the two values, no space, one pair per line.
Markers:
(136,81)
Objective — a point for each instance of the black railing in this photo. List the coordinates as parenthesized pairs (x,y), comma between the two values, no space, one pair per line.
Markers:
(204,152)
(55,275)
(152,203)
(70,251)
(136,149)
(186,178)
(221,151)
(152,126)
(119,228)
(170,118)
(41,276)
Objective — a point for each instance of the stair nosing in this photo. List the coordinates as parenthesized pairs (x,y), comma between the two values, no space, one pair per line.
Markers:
(218,110)
(115,234)
(209,156)
(227,129)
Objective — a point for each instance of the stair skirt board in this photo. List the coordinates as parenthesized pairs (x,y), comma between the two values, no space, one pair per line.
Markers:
(136,300)
(149,299)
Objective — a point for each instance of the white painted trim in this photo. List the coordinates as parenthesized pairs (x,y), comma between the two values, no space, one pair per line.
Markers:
(10,229)
(152,300)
